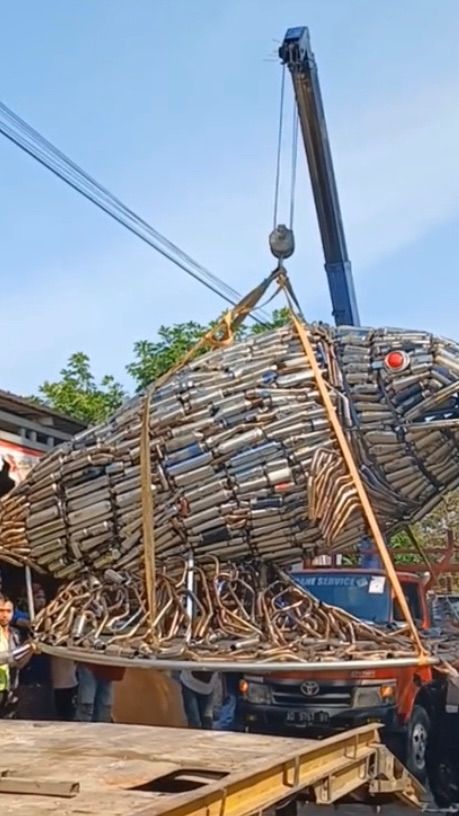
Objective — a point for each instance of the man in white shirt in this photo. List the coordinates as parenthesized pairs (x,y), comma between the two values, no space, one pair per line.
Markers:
(198,690)
(65,684)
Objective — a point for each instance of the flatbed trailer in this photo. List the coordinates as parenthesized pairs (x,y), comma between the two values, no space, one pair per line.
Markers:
(82,769)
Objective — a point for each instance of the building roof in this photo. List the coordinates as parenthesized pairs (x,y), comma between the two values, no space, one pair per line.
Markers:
(39,413)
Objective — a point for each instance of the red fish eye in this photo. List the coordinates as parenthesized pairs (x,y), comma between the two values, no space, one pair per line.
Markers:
(396,360)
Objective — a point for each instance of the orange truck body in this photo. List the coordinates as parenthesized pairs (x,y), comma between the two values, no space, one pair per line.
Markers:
(320,703)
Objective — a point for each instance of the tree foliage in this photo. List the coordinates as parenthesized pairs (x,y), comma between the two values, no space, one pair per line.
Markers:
(77,394)
(433,534)
(152,359)
(279,317)
(402,550)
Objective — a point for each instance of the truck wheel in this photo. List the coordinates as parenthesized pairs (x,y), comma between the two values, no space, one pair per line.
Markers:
(416,746)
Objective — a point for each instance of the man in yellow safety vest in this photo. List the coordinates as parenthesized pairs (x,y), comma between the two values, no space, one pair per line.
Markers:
(8,671)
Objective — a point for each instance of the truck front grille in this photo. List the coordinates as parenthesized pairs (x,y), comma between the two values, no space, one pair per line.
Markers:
(328,697)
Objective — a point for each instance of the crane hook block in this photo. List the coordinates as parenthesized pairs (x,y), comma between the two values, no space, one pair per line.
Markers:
(282,242)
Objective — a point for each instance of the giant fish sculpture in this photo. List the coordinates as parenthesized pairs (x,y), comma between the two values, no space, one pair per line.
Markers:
(244,468)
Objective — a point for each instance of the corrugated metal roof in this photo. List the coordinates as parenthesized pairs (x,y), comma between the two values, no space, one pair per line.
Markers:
(35,411)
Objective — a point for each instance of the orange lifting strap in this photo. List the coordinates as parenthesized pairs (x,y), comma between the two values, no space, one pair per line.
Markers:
(222,335)
(367,509)
(219,336)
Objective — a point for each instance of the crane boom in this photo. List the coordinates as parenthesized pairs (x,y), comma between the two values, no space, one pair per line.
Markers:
(296,53)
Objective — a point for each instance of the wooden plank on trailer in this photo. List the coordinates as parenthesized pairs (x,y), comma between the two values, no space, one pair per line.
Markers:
(110,761)
(122,770)
(24,785)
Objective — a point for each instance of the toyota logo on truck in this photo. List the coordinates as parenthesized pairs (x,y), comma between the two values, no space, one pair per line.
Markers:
(310,689)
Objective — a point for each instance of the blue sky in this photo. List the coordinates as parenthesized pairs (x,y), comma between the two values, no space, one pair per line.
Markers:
(173,105)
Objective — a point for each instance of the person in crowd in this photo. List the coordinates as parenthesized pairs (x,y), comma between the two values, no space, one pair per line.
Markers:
(8,671)
(95,692)
(6,482)
(227,719)
(198,690)
(20,619)
(21,622)
(35,690)
(368,552)
(65,686)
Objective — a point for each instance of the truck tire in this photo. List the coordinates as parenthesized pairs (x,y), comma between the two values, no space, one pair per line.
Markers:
(416,743)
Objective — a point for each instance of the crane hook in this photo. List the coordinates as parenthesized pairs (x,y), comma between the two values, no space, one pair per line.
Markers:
(282,242)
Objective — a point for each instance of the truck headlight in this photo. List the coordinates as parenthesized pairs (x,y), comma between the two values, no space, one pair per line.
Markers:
(258,694)
(373,696)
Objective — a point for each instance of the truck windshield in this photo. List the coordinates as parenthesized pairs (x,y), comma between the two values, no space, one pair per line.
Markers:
(366,597)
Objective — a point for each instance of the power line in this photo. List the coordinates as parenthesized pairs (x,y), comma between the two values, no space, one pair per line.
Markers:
(42,150)
(19,132)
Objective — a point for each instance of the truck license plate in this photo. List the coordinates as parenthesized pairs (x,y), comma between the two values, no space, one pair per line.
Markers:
(306,717)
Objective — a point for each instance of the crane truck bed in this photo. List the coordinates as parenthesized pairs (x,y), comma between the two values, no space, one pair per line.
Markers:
(119,770)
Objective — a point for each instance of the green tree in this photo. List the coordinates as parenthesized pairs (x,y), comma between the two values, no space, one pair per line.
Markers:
(431,533)
(402,550)
(78,395)
(152,359)
(279,317)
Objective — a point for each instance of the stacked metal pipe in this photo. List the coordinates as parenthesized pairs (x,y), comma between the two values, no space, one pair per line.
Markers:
(243,461)
(233,614)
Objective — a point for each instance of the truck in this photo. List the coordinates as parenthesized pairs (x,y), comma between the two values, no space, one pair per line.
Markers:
(330,702)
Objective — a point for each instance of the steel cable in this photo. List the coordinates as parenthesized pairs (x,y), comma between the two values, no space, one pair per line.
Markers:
(45,153)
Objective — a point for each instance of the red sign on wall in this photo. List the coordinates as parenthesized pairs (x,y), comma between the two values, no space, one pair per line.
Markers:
(19,458)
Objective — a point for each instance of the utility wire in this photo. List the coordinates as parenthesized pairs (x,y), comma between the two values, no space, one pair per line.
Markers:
(294,164)
(45,153)
(53,152)
(102,198)
(91,181)
(279,149)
